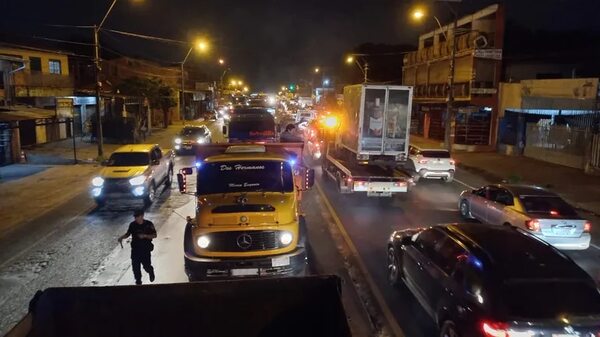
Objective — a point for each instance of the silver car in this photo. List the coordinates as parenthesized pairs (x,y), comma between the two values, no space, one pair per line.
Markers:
(540,212)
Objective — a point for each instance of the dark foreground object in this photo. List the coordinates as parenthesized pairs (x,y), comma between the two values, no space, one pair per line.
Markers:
(303,306)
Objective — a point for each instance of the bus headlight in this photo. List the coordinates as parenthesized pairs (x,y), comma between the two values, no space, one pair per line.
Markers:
(98,181)
(137,180)
(286,238)
(203,242)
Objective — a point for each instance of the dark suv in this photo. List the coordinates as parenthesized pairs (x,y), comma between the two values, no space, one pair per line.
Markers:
(480,280)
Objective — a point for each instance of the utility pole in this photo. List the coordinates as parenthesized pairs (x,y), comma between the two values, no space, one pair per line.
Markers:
(366,71)
(99,135)
(450,129)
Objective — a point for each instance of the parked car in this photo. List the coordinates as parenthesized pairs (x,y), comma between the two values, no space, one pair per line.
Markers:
(482,280)
(430,164)
(192,136)
(536,210)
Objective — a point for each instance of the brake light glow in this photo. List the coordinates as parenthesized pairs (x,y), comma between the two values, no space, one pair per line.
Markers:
(587,227)
(494,329)
(533,225)
(399,184)
(349,180)
(423,161)
(553,212)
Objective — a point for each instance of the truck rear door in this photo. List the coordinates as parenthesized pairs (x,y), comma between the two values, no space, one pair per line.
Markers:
(397,121)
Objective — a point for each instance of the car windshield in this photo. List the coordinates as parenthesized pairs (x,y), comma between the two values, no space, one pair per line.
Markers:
(550,205)
(189,132)
(245,176)
(537,299)
(435,154)
(129,159)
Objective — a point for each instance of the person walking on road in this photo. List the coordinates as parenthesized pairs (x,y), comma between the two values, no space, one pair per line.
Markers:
(290,136)
(142,232)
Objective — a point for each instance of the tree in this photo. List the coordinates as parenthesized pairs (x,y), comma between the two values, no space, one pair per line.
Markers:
(158,94)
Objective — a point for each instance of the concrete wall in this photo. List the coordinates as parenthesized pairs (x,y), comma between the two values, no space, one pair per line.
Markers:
(509,97)
(555,157)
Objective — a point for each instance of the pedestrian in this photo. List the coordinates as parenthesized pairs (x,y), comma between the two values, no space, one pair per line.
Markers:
(142,232)
(290,136)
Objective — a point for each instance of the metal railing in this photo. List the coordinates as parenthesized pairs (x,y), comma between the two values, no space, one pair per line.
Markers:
(559,138)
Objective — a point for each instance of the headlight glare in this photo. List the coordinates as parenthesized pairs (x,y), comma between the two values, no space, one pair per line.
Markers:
(201,140)
(137,180)
(177,140)
(203,242)
(98,181)
(286,238)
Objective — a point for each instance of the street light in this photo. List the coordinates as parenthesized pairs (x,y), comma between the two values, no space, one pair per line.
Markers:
(364,68)
(317,70)
(419,13)
(240,83)
(203,46)
(221,61)
(246,89)
(99,133)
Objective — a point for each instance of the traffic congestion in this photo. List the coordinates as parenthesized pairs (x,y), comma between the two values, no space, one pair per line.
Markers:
(441,183)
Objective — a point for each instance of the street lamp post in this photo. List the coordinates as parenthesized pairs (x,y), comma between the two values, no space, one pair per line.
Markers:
(99,133)
(364,68)
(202,46)
(449,131)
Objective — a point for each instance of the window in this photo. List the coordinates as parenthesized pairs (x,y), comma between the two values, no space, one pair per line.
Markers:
(547,205)
(436,154)
(448,254)
(492,193)
(427,240)
(480,192)
(35,63)
(504,197)
(55,67)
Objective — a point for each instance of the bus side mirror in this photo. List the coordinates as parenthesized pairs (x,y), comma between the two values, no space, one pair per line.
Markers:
(225,130)
(181,182)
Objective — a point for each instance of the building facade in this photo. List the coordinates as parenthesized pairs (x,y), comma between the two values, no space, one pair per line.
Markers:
(478,42)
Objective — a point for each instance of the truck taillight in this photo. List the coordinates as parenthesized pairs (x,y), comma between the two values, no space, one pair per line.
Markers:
(452,162)
(494,329)
(348,180)
(533,225)
(423,161)
(587,227)
(399,184)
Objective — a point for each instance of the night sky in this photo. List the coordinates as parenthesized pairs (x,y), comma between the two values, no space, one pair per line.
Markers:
(267,42)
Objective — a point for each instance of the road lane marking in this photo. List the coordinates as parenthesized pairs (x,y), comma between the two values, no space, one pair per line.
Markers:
(595,246)
(396,330)
(464,184)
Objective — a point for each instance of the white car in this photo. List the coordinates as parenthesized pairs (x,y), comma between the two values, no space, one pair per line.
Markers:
(430,164)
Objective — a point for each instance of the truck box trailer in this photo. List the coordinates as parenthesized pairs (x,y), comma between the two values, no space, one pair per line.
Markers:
(376,122)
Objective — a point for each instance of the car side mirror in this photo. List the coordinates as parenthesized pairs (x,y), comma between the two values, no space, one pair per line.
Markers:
(155,162)
(181,183)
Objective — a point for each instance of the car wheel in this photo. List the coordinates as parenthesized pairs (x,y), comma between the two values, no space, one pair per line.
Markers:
(394,268)
(448,179)
(464,210)
(506,224)
(169,178)
(449,330)
(149,199)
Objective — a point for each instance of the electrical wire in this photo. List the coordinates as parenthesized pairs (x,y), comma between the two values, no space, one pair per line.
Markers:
(147,37)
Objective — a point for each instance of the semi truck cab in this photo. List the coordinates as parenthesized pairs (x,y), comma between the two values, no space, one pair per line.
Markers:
(248,214)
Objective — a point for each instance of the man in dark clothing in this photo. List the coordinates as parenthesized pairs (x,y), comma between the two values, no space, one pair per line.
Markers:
(289,135)
(142,232)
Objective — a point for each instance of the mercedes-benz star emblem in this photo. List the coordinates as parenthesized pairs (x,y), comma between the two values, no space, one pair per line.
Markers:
(243,219)
(244,241)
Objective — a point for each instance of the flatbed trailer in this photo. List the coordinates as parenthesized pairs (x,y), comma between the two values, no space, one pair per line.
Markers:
(353,176)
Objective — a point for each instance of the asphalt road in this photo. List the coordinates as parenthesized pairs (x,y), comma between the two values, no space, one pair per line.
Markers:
(369,223)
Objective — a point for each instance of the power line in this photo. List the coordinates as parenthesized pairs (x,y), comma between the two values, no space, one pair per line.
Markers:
(147,37)
(62,41)
(67,26)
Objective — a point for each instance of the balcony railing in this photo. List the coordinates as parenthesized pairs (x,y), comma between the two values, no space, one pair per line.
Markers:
(41,80)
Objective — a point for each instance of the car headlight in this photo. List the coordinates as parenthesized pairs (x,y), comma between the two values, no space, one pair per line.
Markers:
(98,181)
(201,140)
(203,242)
(137,180)
(286,238)
(177,140)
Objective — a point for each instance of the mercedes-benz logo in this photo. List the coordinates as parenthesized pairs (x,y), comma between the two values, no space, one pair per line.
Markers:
(243,219)
(244,241)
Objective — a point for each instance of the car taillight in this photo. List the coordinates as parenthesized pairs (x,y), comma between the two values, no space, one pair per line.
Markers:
(348,180)
(452,162)
(533,225)
(587,227)
(423,161)
(494,329)
(399,184)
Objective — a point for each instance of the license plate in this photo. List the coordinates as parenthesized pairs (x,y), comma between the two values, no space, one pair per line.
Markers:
(244,272)
(280,261)
(379,194)
(187,147)
(563,335)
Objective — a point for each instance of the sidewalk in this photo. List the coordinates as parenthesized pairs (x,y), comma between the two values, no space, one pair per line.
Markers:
(31,190)
(577,188)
